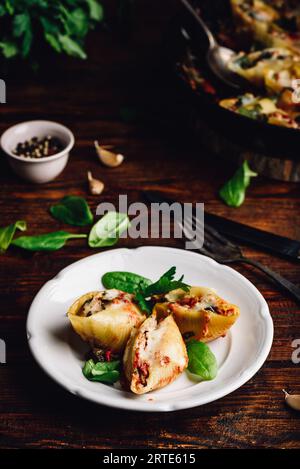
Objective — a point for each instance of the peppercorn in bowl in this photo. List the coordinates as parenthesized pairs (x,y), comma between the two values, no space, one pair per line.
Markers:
(37,151)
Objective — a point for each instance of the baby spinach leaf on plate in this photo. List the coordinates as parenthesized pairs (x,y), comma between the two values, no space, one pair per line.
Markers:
(233,192)
(45,242)
(202,361)
(103,372)
(125,281)
(72,210)
(7,233)
(107,230)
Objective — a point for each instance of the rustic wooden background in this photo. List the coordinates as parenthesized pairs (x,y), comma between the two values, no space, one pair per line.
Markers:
(92,98)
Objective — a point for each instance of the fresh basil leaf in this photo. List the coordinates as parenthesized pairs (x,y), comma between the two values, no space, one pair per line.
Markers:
(233,192)
(7,233)
(103,372)
(73,210)
(202,361)
(165,284)
(45,242)
(125,281)
(107,230)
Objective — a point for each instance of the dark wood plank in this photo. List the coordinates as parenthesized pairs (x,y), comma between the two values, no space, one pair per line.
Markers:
(88,97)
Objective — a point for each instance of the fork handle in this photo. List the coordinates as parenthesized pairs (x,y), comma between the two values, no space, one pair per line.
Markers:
(283,282)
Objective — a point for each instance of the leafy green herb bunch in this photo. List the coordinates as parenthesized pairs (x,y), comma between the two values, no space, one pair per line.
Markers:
(60,24)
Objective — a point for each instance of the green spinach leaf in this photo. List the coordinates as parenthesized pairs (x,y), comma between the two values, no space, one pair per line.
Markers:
(125,281)
(107,230)
(7,233)
(45,242)
(202,361)
(103,372)
(72,210)
(233,192)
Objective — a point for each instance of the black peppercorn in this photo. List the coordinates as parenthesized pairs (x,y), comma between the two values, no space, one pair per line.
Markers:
(35,148)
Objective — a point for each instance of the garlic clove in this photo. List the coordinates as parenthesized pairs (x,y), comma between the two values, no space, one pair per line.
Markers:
(96,187)
(107,157)
(292,400)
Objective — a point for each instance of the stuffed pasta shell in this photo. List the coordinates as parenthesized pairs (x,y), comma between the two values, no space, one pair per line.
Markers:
(200,313)
(254,66)
(105,318)
(155,354)
(277,80)
(265,24)
(253,16)
(261,109)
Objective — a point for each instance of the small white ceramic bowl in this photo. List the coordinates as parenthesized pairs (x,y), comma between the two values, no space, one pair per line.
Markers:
(37,170)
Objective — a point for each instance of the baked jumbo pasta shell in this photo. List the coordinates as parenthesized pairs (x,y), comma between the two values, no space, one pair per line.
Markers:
(277,37)
(277,80)
(155,355)
(254,66)
(258,19)
(262,109)
(253,15)
(105,319)
(200,313)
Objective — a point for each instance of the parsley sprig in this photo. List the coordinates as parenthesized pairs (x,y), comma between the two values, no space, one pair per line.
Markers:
(62,24)
(142,288)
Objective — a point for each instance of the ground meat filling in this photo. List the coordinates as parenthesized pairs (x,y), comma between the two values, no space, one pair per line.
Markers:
(142,367)
(207,303)
(102,300)
(143,371)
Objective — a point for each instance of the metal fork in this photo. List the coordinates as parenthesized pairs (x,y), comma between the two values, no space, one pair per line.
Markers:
(224,251)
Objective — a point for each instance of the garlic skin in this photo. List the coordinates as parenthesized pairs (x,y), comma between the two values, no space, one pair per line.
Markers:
(96,186)
(107,157)
(292,400)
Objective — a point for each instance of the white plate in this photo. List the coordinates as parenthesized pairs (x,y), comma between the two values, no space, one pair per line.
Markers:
(60,352)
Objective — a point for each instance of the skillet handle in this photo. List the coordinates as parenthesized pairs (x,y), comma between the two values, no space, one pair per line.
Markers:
(283,282)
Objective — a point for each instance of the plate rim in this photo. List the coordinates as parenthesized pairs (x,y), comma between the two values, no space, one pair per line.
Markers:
(142,405)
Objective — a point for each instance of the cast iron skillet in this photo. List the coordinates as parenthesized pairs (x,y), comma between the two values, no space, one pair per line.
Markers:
(280,142)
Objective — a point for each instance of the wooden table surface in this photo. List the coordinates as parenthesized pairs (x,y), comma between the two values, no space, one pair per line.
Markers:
(90,98)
